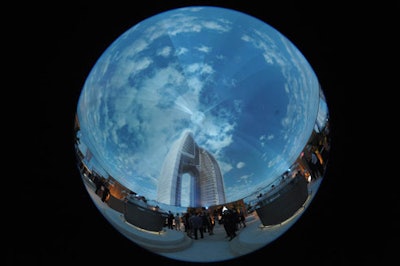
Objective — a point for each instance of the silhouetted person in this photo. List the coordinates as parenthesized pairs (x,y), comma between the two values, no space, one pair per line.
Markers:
(106,192)
(170,220)
(230,223)
(209,223)
(98,184)
(177,222)
(186,223)
(242,220)
(314,165)
(206,222)
(196,221)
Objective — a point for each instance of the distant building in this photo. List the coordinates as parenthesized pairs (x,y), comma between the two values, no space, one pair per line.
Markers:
(206,183)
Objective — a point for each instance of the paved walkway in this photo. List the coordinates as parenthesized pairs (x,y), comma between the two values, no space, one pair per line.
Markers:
(176,245)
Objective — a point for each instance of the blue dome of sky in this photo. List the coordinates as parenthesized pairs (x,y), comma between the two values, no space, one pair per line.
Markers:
(247,94)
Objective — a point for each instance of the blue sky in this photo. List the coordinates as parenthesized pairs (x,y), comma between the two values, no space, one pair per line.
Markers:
(245,91)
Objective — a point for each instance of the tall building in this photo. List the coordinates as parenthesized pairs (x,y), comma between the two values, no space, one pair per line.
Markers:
(186,159)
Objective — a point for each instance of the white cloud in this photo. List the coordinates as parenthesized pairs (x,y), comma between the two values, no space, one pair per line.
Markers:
(181,51)
(165,51)
(203,49)
(240,165)
(223,26)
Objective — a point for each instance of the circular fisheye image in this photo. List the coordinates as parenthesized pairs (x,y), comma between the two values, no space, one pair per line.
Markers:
(202,134)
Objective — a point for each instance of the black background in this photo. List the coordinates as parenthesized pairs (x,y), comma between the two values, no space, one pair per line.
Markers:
(53,220)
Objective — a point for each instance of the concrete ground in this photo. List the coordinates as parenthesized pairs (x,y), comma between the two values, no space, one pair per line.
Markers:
(177,245)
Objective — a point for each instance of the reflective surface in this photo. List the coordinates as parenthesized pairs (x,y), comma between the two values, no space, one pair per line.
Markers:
(204,112)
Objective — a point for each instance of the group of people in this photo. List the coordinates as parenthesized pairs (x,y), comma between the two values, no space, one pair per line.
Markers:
(232,221)
(197,223)
(174,221)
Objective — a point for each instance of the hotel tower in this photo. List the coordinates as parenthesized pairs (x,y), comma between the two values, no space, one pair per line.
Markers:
(186,159)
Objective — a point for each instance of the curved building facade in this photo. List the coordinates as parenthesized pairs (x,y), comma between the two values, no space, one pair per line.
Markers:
(186,159)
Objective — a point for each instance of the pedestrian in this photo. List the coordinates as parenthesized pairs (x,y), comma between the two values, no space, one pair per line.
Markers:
(170,220)
(106,192)
(242,220)
(196,221)
(177,222)
(230,223)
